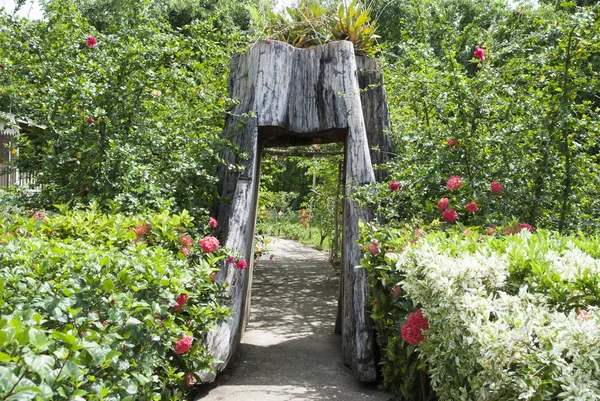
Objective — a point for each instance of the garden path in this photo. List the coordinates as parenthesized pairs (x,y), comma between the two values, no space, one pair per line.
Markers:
(289,351)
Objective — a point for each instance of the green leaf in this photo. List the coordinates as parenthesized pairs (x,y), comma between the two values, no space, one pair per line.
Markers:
(40,364)
(108,285)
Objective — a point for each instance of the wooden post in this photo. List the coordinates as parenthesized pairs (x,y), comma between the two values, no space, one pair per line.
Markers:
(291,96)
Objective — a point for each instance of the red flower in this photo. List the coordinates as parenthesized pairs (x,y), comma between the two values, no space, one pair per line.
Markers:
(209,244)
(479,53)
(454,182)
(230,260)
(89,120)
(105,323)
(496,187)
(412,331)
(450,215)
(189,380)
(491,230)
(1,66)
(186,251)
(91,41)
(524,226)
(241,264)
(443,204)
(213,276)
(374,250)
(452,142)
(182,346)
(471,207)
(396,291)
(394,186)
(213,223)
(186,241)
(181,300)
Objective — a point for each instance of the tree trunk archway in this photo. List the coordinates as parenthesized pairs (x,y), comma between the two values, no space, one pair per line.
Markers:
(289,96)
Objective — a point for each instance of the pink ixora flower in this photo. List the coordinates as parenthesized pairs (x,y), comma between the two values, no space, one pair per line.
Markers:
(583,315)
(185,251)
(496,187)
(471,207)
(209,244)
(452,142)
(394,186)
(269,41)
(182,346)
(479,53)
(374,250)
(412,331)
(181,300)
(454,182)
(241,264)
(450,215)
(213,223)
(443,204)
(90,120)
(524,226)
(230,260)
(189,380)
(91,42)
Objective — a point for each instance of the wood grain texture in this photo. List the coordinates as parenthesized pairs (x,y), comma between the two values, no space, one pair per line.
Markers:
(293,96)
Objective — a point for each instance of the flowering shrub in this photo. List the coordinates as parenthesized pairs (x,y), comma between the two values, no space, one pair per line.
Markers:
(508,316)
(99,307)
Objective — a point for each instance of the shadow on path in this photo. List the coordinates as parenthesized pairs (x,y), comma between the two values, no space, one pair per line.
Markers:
(289,350)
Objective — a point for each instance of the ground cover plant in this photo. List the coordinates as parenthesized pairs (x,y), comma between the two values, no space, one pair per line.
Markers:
(477,315)
(96,306)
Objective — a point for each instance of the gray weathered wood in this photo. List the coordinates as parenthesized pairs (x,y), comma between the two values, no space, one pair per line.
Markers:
(290,96)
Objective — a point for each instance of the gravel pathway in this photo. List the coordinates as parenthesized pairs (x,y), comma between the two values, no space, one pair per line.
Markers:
(289,351)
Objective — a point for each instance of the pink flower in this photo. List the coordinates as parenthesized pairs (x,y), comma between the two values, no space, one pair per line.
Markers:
(105,323)
(479,53)
(517,12)
(396,291)
(471,207)
(374,250)
(209,244)
(450,215)
(583,315)
(213,223)
(394,186)
(496,187)
(89,120)
(452,142)
(181,300)
(524,226)
(491,230)
(412,331)
(182,346)
(186,241)
(241,264)
(91,41)
(189,380)
(269,41)
(443,204)
(230,260)
(454,182)
(186,251)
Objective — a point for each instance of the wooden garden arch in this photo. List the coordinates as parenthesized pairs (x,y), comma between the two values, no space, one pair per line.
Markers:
(289,96)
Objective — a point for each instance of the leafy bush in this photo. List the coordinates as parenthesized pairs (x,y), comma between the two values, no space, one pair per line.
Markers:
(510,316)
(103,307)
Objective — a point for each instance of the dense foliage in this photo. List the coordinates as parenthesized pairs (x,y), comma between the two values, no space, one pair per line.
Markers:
(103,307)
(506,316)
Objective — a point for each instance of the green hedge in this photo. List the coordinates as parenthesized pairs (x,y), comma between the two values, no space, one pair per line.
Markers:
(94,306)
(509,316)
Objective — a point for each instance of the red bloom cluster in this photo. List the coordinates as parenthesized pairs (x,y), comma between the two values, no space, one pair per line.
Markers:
(189,380)
(471,207)
(185,241)
(450,215)
(496,187)
(454,182)
(38,215)
(90,120)
(396,291)
(412,331)
(91,41)
(479,53)
(142,229)
(230,260)
(182,346)
(213,223)
(209,244)
(525,226)
(374,250)
(443,204)
(181,300)
(241,264)
(394,186)
(186,251)
(452,142)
